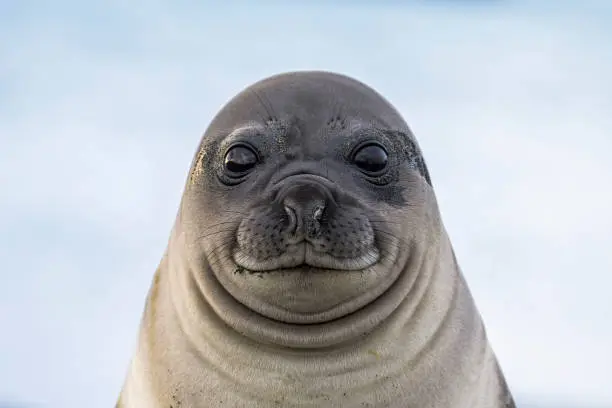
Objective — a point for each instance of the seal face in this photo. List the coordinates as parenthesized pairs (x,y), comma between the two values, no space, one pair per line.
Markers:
(307,181)
(308,266)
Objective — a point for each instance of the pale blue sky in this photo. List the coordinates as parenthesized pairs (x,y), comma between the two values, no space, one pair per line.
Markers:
(102,106)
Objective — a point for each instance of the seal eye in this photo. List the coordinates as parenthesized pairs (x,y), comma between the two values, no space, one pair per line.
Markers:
(371,158)
(239,160)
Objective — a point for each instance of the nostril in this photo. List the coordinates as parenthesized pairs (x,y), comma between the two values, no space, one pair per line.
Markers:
(305,205)
(293,220)
(318,213)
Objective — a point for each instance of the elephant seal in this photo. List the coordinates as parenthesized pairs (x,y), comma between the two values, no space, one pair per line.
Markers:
(309,267)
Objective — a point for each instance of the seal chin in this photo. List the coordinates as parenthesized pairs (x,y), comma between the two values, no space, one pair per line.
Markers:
(304,255)
(305,286)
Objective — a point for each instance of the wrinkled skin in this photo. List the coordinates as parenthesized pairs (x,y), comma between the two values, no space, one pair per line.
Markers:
(307,280)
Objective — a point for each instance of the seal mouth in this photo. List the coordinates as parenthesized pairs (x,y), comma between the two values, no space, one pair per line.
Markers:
(303,256)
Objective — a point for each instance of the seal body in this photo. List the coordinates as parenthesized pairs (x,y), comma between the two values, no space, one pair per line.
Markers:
(309,266)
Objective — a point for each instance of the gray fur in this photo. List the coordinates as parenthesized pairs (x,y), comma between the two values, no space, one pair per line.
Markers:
(308,281)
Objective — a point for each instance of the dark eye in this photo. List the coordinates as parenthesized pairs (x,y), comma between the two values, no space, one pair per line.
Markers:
(371,158)
(239,160)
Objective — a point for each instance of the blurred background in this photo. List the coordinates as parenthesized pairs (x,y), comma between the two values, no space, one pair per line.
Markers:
(102,106)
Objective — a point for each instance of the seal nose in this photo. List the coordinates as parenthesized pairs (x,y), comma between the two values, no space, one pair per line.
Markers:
(305,205)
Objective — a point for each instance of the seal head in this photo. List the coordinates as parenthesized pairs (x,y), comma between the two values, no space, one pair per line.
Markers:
(295,196)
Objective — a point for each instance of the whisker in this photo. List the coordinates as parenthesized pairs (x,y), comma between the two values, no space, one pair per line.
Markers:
(209,234)
(234,212)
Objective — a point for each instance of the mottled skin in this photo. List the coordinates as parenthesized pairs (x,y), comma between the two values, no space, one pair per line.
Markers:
(308,282)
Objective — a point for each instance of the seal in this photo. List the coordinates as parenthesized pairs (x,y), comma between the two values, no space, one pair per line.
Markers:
(309,266)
